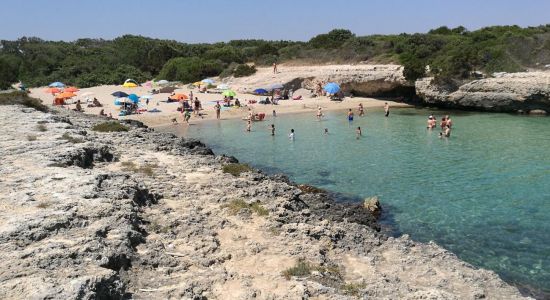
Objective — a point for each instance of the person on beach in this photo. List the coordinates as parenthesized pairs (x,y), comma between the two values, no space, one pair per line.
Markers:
(358,133)
(237,103)
(272,129)
(291,135)
(102,112)
(78,106)
(361,110)
(274,113)
(196,106)
(248,125)
(147,101)
(386,109)
(218,109)
(350,115)
(110,115)
(319,113)
(326,131)
(274,68)
(187,116)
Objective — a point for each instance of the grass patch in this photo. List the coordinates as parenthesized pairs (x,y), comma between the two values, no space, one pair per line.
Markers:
(303,268)
(111,126)
(66,136)
(236,169)
(353,289)
(155,226)
(41,127)
(31,137)
(44,205)
(22,98)
(235,206)
(147,169)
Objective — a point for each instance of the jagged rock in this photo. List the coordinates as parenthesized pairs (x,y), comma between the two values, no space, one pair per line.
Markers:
(373,205)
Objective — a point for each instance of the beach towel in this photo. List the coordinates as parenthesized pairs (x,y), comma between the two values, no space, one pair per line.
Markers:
(154,110)
(297,97)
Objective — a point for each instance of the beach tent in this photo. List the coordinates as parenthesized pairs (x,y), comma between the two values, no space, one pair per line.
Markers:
(332,88)
(198,83)
(260,91)
(207,81)
(229,93)
(163,82)
(168,89)
(129,85)
(179,97)
(223,86)
(134,98)
(57,84)
(120,94)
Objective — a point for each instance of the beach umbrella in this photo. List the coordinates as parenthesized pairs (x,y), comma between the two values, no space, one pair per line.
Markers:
(119,101)
(197,83)
(229,93)
(119,94)
(332,88)
(71,89)
(260,91)
(208,81)
(179,97)
(134,98)
(223,86)
(168,89)
(65,95)
(52,90)
(162,82)
(57,84)
(129,85)
(147,97)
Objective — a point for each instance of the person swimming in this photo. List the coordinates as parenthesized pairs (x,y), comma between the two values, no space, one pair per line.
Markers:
(326,131)
(272,129)
(350,115)
(291,135)
(358,133)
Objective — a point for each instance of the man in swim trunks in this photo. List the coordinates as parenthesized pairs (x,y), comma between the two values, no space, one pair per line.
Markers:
(350,115)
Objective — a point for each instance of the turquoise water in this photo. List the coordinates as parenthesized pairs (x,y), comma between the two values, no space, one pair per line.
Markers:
(483,194)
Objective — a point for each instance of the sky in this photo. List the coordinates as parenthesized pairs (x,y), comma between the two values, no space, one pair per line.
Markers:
(224,20)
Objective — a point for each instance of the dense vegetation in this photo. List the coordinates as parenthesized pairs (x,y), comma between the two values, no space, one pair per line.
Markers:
(450,53)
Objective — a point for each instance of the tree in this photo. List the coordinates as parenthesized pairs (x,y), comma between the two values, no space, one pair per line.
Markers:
(334,39)
(189,69)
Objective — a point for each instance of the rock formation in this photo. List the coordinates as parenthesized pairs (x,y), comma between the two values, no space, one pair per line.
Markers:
(140,214)
(511,92)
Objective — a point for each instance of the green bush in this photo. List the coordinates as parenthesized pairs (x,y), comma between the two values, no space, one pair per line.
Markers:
(67,137)
(235,206)
(189,69)
(22,98)
(111,126)
(244,70)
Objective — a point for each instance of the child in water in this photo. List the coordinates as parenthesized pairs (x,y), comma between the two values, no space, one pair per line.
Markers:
(291,135)
(272,129)
(326,131)
(358,133)
(248,125)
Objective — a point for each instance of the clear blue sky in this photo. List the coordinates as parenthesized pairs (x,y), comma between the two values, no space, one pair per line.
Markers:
(223,20)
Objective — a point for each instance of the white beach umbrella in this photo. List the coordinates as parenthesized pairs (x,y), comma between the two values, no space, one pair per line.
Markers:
(223,86)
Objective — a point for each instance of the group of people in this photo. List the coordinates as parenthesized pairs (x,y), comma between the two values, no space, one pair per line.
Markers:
(445,124)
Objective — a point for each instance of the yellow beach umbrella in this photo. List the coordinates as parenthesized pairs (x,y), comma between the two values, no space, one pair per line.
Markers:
(197,83)
(129,84)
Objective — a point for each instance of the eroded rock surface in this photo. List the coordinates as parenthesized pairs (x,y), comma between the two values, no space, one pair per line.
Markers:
(154,217)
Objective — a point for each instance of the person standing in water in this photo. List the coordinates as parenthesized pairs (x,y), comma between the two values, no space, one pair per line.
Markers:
(443,123)
(274,113)
(449,121)
(272,129)
(248,125)
(218,108)
(386,109)
(350,115)
(291,135)
(361,110)
(326,131)
(358,133)
(319,113)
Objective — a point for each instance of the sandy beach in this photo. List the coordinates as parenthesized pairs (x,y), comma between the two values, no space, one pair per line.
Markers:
(168,111)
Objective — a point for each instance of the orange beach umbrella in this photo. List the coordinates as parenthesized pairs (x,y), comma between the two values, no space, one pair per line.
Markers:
(179,97)
(65,95)
(71,89)
(52,90)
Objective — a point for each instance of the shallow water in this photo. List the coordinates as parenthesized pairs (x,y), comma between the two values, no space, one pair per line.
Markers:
(484,193)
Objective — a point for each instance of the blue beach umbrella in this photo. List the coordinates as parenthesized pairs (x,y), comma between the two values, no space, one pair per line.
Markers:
(134,98)
(208,81)
(332,88)
(57,84)
(260,91)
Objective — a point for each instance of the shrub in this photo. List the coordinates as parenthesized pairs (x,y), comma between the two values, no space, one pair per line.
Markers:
(236,169)
(235,206)
(31,137)
(189,69)
(301,269)
(244,70)
(66,136)
(147,169)
(22,98)
(41,127)
(353,289)
(111,126)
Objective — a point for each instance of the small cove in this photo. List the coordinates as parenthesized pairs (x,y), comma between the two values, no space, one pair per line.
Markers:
(484,193)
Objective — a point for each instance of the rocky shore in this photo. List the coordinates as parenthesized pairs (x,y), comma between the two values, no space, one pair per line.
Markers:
(145,215)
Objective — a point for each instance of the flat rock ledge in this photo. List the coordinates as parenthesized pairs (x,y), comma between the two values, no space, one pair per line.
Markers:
(144,215)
